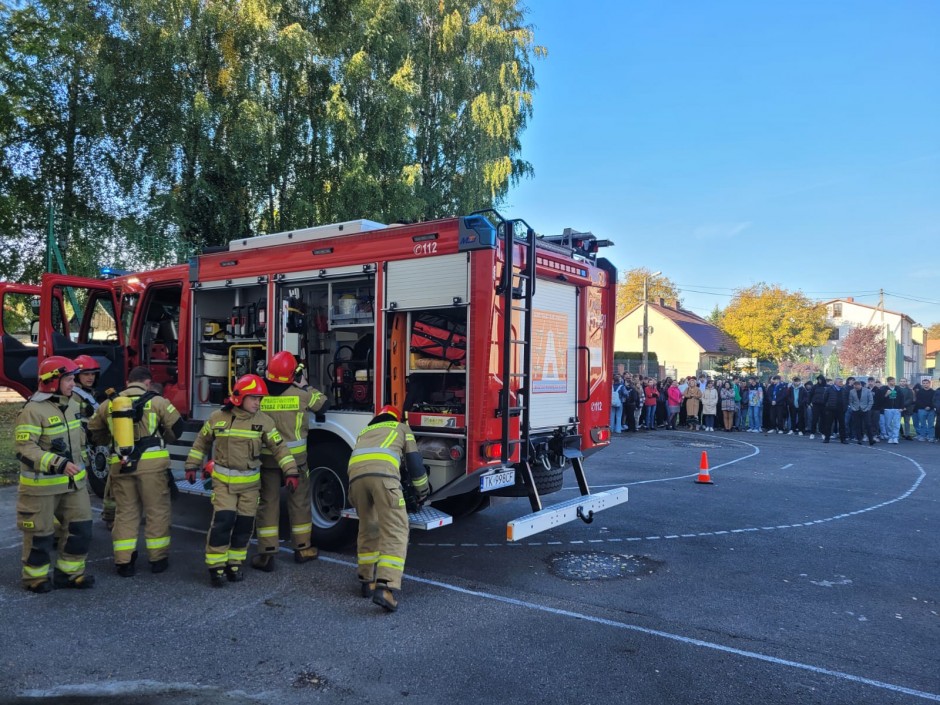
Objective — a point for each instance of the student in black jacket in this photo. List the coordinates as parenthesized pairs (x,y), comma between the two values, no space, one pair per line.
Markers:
(817,399)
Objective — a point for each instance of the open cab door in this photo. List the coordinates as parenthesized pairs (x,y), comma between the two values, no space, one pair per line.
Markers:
(19,337)
(79,316)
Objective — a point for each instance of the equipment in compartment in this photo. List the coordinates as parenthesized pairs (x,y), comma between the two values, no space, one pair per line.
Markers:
(439,337)
(351,374)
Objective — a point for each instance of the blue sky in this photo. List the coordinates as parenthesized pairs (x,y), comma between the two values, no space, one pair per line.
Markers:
(731,142)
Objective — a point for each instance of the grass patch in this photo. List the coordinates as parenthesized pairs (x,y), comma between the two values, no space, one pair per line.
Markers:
(9,465)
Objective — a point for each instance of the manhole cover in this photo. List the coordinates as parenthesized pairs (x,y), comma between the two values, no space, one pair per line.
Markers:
(695,444)
(596,565)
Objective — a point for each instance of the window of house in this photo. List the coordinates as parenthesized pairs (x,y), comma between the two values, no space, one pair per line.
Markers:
(837,310)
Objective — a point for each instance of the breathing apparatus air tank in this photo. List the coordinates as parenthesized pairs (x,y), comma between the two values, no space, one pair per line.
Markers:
(122,425)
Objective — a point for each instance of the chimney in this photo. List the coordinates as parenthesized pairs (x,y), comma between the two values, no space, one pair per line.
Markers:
(662,301)
(850,299)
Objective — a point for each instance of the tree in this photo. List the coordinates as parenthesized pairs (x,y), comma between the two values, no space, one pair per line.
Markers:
(630,289)
(774,323)
(933,331)
(805,370)
(833,365)
(863,350)
(715,316)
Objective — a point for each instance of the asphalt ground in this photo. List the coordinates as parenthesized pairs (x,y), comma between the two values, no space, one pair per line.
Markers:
(807,573)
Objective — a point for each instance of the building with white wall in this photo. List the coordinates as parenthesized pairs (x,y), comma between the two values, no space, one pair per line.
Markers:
(680,339)
(843,315)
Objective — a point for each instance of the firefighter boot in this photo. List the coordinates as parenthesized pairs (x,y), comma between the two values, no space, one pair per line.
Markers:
(40,587)
(79,582)
(127,570)
(159,566)
(263,561)
(385,597)
(366,588)
(216,577)
(303,555)
(234,573)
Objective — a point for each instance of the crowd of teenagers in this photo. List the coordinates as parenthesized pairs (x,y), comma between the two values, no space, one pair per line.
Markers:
(854,409)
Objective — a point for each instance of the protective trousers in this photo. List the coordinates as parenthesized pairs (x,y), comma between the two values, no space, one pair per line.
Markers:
(383,528)
(233,518)
(108,503)
(298,510)
(36,516)
(133,491)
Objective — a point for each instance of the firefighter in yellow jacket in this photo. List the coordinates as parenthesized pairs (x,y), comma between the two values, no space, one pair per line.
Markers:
(235,436)
(375,491)
(49,444)
(137,424)
(288,404)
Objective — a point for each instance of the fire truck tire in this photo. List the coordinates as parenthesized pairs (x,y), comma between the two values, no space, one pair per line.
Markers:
(547,480)
(329,485)
(463,505)
(98,470)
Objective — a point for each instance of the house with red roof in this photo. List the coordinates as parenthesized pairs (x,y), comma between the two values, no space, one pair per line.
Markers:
(680,339)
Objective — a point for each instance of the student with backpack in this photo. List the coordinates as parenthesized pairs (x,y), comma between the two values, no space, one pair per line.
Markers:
(616,404)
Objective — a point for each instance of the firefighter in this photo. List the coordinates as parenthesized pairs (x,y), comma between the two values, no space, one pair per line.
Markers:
(137,424)
(375,491)
(288,402)
(89,399)
(49,443)
(236,434)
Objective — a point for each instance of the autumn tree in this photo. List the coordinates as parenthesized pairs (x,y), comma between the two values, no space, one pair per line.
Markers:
(933,331)
(773,323)
(863,350)
(630,289)
(804,369)
(155,127)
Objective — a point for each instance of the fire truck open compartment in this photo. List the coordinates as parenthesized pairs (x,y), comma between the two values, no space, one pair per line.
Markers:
(229,340)
(329,325)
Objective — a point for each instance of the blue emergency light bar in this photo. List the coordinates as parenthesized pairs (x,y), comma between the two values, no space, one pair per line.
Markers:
(111,272)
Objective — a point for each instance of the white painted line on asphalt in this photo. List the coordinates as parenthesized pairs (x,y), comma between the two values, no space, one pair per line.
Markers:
(788,465)
(754,655)
(846,515)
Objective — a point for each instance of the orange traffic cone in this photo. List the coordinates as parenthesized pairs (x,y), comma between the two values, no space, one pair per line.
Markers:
(703,477)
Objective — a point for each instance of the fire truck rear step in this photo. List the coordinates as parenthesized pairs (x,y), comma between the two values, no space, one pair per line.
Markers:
(426,518)
(557,514)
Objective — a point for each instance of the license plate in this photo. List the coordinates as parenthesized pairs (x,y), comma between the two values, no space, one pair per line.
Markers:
(497,480)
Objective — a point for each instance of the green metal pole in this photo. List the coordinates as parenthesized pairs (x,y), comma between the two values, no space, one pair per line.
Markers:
(49,237)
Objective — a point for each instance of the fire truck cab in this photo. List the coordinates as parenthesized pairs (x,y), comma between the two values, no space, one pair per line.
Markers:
(497,344)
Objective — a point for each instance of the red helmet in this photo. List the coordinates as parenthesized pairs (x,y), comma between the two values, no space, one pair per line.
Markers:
(53,369)
(248,386)
(282,367)
(86,363)
(392,410)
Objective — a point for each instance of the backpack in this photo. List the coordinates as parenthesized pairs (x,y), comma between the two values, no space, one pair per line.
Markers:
(615,401)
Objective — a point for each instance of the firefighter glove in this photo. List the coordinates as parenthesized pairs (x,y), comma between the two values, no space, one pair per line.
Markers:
(191,476)
(319,417)
(422,493)
(292,482)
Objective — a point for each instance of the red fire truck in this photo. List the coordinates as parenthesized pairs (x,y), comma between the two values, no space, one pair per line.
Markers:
(497,343)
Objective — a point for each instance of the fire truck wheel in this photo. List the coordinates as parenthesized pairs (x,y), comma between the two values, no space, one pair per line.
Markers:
(329,486)
(463,504)
(547,481)
(98,470)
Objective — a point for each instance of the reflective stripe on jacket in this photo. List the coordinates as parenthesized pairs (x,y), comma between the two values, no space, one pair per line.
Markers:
(235,439)
(379,450)
(43,423)
(290,411)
